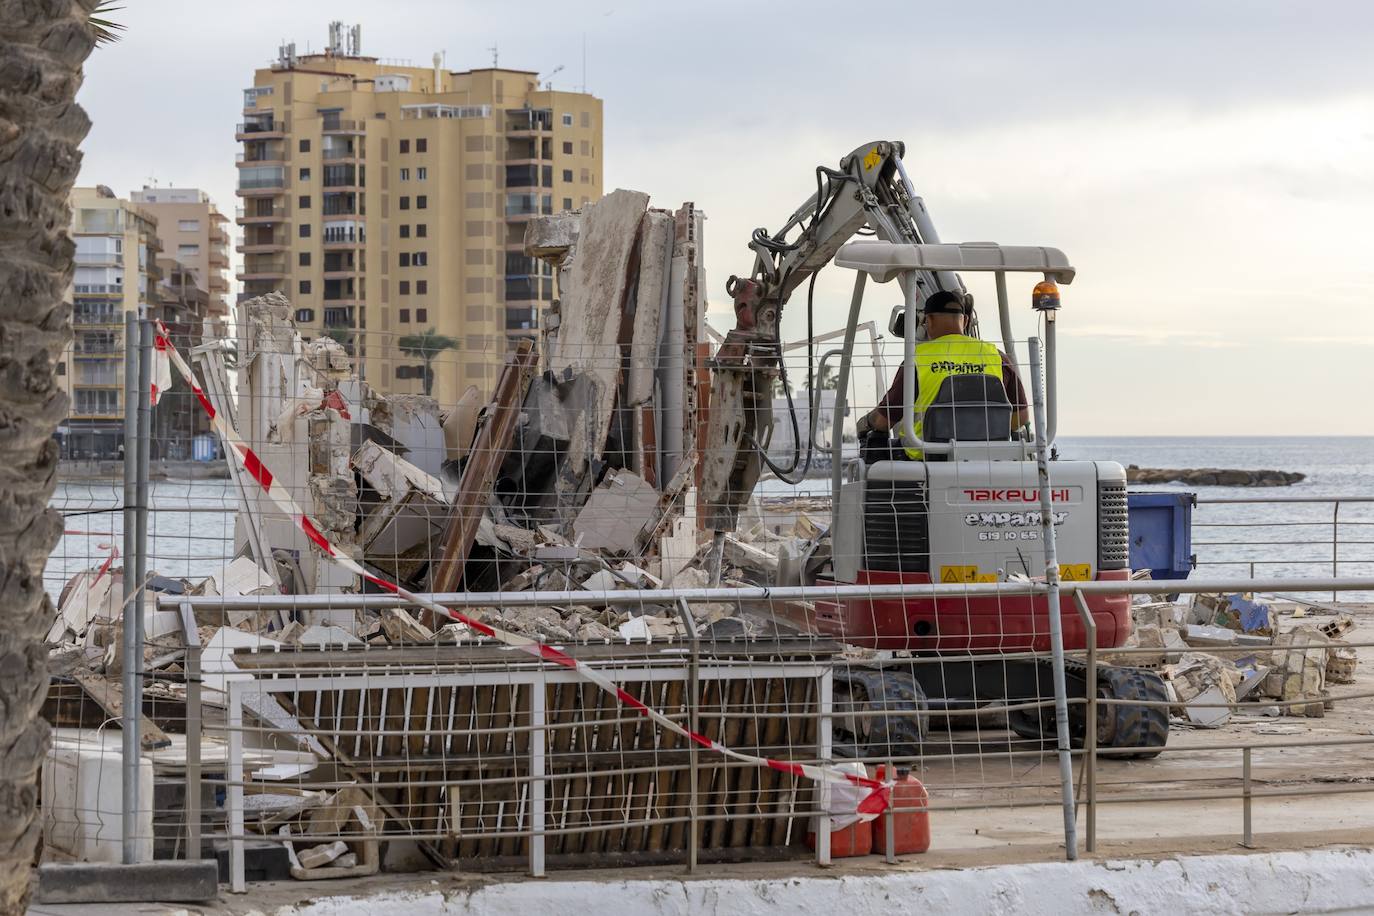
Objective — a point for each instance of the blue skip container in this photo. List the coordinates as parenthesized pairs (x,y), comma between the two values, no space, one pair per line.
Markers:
(1161,529)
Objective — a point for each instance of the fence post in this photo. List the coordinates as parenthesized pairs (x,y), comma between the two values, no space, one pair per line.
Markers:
(1247,837)
(1090,733)
(537,717)
(194,849)
(1335,544)
(1061,699)
(132,647)
(824,703)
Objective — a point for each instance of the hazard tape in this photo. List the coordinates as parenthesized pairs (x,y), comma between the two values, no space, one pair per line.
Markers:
(871,806)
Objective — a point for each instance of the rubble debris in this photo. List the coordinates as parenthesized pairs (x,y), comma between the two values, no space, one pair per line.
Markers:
(405,512)
(1202,683)
(109,697)
(479,474)
(617,515)
(323,854)
(1298,671)
(1234,612)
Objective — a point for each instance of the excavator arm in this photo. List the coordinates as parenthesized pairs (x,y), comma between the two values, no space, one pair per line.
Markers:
(869,189)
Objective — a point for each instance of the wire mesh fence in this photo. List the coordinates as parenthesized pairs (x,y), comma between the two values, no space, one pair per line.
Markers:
(419,600)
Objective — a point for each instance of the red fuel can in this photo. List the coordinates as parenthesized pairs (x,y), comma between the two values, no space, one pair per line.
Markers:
(854,840)
(911,828)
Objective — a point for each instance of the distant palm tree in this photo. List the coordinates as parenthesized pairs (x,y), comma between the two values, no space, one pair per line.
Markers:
(426,346)
(43,46)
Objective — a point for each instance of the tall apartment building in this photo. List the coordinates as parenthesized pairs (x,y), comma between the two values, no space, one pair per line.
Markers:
(117,250)
(386,200)
(195,244)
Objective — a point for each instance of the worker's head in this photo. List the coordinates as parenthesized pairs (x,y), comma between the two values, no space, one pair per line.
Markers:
(945,314)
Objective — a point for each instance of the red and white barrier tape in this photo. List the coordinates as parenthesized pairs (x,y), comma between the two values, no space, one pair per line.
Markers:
(872,805)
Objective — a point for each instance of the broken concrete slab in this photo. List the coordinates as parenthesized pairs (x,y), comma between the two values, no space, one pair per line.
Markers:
(166,881)
(618,514)
(1298,671)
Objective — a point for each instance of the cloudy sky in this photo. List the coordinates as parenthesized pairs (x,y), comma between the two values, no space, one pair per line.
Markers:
(1207,166)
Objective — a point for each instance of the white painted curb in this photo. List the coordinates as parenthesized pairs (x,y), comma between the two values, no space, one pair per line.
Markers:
(1333,880)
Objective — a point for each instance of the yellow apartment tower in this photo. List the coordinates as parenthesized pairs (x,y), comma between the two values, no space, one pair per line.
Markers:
(386,200)
(116,273)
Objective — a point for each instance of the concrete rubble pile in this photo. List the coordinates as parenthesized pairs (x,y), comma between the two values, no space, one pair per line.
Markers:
(1227,653)
(578,474)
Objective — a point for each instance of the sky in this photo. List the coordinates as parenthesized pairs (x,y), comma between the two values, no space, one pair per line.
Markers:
(1207,166)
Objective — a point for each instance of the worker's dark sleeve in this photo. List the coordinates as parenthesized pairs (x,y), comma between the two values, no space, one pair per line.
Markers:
(891,404)
(1012,382)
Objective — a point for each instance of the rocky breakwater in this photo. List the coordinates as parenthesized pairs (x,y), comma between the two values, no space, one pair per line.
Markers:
(1213,477)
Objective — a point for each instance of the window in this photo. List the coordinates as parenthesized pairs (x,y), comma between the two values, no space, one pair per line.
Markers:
(304,202)
(405,174)
(305,174)
(421,230)
(188,225)
(303,287)
(405,203)
(421,287)
(419,259)
(303,259)
(586,176)
(405,259)
(567,147)
(567,203)
(421,316)
(405,146)
(405,289)
(421,202)
(421,173)
(305,146)
(305,230)
(305,315)
(422,145)
(404,315)
(567,119)
(188,251)
(405,230)
(586,148)
(567,175)
(586,118)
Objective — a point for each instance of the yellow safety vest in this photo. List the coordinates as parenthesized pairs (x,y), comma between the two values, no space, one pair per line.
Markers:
(938,359)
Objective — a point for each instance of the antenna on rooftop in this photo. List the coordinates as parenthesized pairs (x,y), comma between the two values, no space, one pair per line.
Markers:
(584,63)
(355,41)
(495,56)
(548,83)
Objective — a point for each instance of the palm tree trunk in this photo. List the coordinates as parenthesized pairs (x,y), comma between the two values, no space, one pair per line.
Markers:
(43,44)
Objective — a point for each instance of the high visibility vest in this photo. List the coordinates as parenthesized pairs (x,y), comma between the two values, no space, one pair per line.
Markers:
(938,359)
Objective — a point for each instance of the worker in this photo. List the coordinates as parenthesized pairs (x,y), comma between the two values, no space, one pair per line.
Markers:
(945,349)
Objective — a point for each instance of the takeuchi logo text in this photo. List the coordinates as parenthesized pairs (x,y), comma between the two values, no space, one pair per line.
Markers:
(989,495)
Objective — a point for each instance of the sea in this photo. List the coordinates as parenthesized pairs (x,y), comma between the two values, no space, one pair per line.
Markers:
(1272,534)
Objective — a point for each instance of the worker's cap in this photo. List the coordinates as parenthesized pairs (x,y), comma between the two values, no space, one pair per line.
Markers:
(946,302)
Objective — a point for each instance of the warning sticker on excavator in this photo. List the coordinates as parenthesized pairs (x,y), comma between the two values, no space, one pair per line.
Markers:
(958,574)
(1075,572)
(872,159)
(987,577)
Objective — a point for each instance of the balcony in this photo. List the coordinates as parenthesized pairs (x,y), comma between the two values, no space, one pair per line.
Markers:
(525,206)
(262,245)
(263,269)
(258,98)
(97,318)
(529,176)
(260,130)
(98,289)
(218,257)
(248,216)
(528,289)
(527,122)
(344,176)
(522,319)
(260,157)
(339,317)
(345,151)
(99,258)
(342,126)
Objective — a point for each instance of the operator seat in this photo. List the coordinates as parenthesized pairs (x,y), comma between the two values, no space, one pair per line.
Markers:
(967,408)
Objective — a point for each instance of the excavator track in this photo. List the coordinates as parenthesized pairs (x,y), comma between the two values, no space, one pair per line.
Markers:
(1118,725)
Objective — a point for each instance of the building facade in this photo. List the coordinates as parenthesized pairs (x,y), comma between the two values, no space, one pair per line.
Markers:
(386,201)
(195,238)
(117,251)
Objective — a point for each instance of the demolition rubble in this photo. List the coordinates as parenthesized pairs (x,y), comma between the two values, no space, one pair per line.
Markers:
(580,475)
(1225,655)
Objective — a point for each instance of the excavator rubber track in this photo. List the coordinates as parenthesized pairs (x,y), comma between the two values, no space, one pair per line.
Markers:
(1122,725)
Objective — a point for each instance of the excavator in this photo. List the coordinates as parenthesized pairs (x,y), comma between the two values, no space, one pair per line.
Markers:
(968,510)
